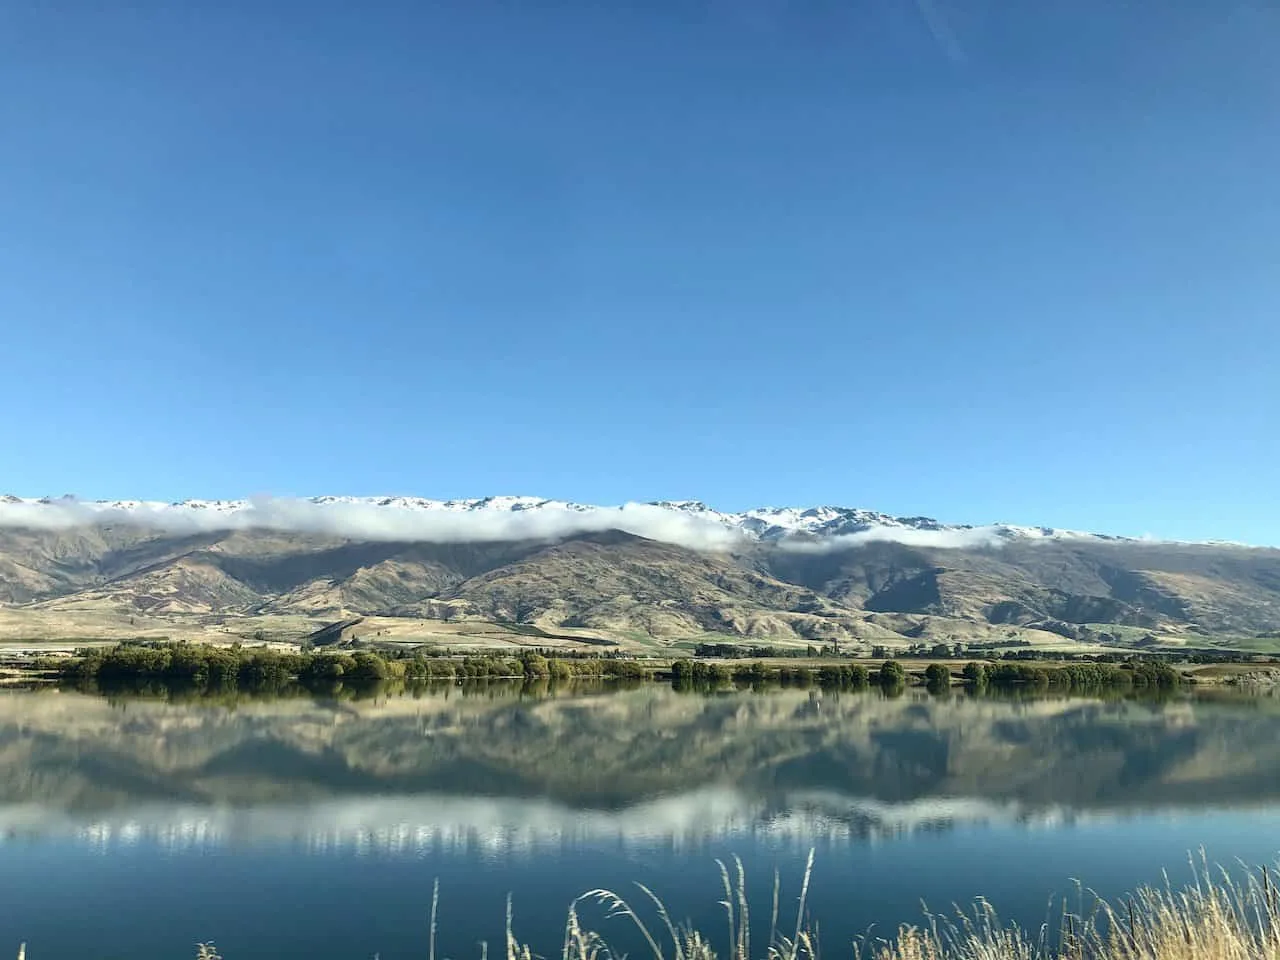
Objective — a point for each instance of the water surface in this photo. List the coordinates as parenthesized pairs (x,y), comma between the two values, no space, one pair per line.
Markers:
(312,827)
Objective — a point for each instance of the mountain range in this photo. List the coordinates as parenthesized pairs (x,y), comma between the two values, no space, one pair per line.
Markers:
(524,569)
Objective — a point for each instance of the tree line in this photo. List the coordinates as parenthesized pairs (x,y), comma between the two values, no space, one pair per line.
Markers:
(1005,649)
(1141,674)
(685,672)
(256,667)
(261,668)
(891,674)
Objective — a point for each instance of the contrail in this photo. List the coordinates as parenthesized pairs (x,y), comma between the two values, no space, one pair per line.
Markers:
(941,30)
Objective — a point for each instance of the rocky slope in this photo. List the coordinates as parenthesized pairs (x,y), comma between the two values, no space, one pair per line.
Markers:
(639,574)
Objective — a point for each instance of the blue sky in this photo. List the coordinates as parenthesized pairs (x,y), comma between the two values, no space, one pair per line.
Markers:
(979,261)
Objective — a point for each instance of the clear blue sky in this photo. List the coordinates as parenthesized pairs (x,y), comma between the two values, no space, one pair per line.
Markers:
(982,261)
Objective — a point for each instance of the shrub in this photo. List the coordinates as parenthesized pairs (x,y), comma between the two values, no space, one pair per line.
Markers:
(367,667)
(892,674)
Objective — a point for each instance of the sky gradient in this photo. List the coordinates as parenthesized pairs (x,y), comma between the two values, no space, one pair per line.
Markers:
(979,263)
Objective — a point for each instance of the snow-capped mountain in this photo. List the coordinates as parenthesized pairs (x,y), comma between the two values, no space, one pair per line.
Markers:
(685,570)
(490,518)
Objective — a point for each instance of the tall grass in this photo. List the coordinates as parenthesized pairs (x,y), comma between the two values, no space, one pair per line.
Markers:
(1215,917)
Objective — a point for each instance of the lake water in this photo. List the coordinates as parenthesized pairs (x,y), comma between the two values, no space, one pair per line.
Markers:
(315,828)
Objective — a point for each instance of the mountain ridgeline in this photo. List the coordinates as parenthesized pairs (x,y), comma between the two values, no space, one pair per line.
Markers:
(800,576)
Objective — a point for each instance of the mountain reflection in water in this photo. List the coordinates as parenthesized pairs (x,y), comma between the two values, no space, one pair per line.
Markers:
(405,775)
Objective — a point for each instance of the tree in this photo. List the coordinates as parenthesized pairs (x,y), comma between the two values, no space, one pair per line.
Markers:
(535,665)
(975,673)
(327,667)
(879,652)
(560,670)
(367,667)
(936,675)
(624,670)
(892,674)
(755,671)
(856,675)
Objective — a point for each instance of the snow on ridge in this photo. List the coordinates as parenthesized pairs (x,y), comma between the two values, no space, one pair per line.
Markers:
(685,522)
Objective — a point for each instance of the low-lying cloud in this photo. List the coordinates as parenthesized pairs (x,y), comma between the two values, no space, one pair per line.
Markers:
(372,521)
(423,521)
(967,538)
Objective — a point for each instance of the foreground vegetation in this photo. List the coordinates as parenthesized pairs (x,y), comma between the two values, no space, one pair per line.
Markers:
(1215,917)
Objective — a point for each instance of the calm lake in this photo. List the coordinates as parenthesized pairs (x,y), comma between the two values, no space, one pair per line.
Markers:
(315,828)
